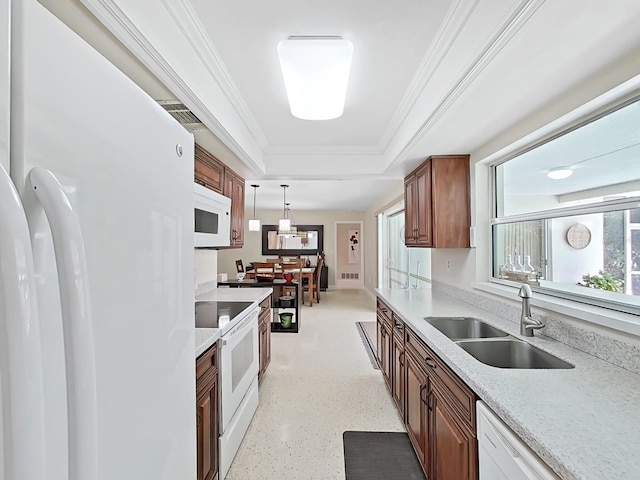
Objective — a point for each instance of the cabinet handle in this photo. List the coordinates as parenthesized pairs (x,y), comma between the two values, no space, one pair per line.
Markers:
(399,325)
(430,362)
(401,359)
(422,389)
(383,310)
(429,401)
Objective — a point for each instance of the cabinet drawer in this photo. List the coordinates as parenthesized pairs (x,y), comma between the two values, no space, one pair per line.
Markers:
(461,398)
(398,327)
(384,311)
(208,360)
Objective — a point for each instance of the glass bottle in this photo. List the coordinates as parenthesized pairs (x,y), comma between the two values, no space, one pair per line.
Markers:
(508,265)
(528,268)
(518,265)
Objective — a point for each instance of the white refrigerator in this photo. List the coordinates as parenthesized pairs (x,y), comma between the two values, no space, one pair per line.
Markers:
(96,265)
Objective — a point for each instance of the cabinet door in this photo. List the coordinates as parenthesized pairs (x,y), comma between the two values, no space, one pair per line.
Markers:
(410,227)
(237,213)
(267,344)
(208,170)
(207,430)
(454,445)
(451,208)
(234,189)
(416,414)
(264,347)
(384,351)
(423,206)
(397,372)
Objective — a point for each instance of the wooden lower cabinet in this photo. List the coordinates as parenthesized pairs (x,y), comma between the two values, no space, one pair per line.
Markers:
(416,415)
(264,337)
(454,446)
(397,372)
(438,408)
(207,429)
(384,350)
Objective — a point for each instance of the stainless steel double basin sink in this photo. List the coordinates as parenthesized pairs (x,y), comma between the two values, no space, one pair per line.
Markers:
(492,346)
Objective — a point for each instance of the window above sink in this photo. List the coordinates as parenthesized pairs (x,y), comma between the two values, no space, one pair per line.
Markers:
(575,237)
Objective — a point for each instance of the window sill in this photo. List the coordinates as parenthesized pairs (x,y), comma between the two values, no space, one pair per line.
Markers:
(613,319)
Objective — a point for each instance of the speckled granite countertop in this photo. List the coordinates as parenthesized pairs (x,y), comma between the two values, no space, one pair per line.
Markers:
(583,422)
(205,337)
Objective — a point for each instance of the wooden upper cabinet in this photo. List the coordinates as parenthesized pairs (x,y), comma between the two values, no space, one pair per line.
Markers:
(410,211)
(215,175)
(208,170)
(437,203)
(234,189)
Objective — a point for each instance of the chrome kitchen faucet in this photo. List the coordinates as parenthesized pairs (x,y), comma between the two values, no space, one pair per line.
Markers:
(527,323)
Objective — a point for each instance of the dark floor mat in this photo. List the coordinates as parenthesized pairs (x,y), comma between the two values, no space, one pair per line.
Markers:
(364,329)
(380,456)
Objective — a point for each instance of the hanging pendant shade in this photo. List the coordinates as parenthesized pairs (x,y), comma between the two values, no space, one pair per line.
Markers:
(254,223)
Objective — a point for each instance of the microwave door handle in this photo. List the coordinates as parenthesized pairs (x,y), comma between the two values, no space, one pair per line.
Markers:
(24,395)
(77,323)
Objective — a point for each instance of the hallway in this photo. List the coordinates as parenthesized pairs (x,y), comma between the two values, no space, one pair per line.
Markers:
(320,383)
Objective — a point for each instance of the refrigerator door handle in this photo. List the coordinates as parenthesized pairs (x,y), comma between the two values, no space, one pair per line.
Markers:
(22,391)
(79,345)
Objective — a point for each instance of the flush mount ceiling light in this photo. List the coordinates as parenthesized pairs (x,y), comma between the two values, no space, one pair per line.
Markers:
(559,173)
(254,223)
(316,75)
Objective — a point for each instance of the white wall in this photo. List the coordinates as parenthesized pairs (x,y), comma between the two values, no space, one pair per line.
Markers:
(205,266)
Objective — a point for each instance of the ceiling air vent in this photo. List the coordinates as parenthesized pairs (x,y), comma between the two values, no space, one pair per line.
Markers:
(182,114)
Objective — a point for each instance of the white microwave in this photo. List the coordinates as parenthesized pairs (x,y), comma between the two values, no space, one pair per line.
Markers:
(212,218)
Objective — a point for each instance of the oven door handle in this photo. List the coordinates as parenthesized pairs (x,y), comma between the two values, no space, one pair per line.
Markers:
(239,330)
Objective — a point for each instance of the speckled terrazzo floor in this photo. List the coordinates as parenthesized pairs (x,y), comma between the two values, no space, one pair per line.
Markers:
(319,384)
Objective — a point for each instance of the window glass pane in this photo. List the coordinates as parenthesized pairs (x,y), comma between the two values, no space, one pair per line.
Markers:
(520,248)
(602,159)
(596,254)
(589,252)
(405,267)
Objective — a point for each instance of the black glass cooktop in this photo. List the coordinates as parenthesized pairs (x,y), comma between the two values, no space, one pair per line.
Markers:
(217,314)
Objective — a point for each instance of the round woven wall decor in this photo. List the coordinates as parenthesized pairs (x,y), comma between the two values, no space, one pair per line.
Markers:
(578,236)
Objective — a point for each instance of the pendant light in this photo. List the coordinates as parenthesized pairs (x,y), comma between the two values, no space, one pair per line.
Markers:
(284,224)
(254,223)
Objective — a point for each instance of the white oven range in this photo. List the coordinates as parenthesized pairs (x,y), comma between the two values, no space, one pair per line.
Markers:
(239,365)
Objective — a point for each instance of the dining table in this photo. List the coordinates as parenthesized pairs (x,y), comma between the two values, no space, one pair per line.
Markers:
(307,272)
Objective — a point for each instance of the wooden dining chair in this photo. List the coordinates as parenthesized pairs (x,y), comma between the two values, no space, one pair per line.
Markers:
(294,267)
(264,270)
(316,281)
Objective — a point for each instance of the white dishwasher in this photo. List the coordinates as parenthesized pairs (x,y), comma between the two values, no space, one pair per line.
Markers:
(502,455)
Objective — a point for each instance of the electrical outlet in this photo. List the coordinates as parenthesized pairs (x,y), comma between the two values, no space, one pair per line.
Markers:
(448,264)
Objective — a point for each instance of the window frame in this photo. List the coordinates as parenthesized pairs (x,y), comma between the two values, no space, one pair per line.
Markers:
(615,99)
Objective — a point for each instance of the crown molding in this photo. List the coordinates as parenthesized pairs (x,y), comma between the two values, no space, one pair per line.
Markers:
(125,30)
(448,32)
(520,15)
(283,150)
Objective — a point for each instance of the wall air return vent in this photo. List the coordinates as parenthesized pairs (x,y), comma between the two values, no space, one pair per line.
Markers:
(182,114)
